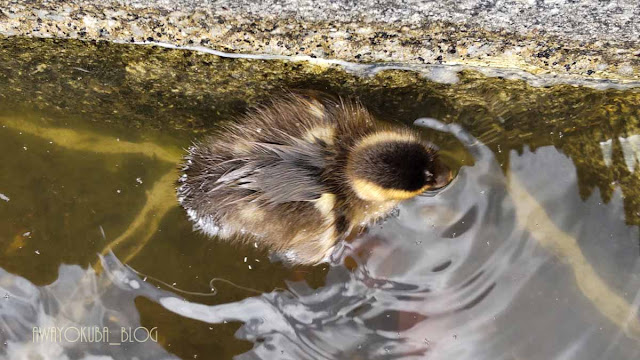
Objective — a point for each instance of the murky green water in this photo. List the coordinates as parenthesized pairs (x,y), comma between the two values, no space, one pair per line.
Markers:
(544,241)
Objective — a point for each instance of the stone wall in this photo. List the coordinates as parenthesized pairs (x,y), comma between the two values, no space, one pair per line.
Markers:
(562,39)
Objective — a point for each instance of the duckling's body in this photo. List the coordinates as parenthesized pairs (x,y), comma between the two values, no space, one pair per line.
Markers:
(302,173)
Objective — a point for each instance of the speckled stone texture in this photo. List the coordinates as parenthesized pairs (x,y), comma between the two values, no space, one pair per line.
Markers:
(572,39)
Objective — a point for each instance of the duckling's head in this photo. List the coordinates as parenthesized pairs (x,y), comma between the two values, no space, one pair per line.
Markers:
(394,165)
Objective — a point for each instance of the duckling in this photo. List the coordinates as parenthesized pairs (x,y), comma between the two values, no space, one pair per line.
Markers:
(300,174)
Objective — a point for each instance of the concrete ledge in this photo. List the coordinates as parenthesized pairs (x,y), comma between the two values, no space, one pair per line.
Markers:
(592,39)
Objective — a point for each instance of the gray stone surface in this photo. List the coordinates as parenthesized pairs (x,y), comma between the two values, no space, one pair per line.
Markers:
(574,19)
(566,38)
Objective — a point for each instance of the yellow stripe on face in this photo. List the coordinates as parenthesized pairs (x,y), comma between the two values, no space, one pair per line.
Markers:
(366,190)
(386,136)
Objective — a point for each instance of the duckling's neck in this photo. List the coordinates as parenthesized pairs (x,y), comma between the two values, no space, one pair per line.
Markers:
(365,212)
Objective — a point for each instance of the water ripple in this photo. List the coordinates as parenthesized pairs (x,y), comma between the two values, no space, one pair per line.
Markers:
(475,272)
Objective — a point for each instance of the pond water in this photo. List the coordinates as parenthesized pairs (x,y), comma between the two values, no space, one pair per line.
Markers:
(531,253)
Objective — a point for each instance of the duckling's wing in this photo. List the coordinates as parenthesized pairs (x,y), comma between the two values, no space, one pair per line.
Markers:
(280,183)
(281,173)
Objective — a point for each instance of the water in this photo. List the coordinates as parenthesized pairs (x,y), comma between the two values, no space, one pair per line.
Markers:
(529,254)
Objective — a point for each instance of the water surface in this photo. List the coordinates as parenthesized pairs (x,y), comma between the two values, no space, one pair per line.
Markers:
(532,252)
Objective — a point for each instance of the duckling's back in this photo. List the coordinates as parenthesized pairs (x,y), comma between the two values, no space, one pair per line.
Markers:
(275,177)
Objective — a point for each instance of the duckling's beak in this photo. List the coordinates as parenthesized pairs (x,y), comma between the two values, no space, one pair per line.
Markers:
(444,175)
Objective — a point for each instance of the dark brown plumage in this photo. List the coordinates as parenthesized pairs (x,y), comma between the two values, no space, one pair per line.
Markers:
(301,173)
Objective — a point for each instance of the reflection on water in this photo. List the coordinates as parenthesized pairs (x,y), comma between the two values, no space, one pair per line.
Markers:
(66,320)
(493,267)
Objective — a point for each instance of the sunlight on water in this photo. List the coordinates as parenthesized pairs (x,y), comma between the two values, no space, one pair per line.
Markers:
(493,267)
